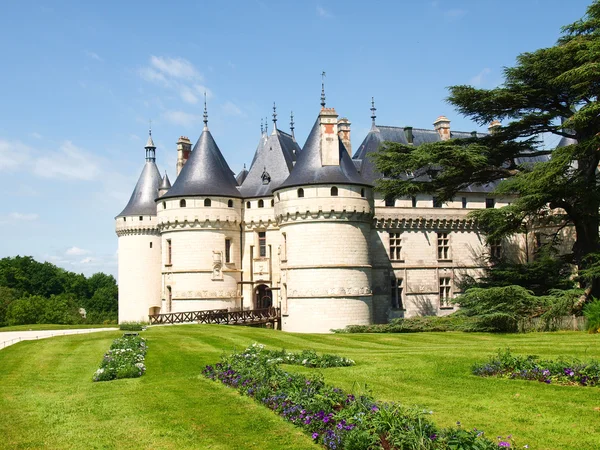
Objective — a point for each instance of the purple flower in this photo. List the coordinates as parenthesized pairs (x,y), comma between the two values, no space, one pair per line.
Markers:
(503,444)
(374,408)
(315,435)
(433,437)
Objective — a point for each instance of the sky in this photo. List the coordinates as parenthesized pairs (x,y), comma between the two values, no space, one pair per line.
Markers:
(80,81)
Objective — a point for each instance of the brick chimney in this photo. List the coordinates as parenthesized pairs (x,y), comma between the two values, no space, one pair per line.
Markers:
(344,133)
(328,127)
(494,126)
(184,147)
(442,126)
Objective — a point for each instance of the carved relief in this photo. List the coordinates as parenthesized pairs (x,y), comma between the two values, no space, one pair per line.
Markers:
(217,273)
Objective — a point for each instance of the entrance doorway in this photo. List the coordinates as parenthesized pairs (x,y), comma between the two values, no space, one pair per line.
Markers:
(263,297)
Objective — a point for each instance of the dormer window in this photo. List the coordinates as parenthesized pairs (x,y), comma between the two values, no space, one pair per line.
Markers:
(300,193)
(182,203)
(207,202)
(266,178)
(334,191)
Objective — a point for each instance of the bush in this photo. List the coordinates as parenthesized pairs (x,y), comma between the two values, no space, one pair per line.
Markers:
(453,322)
(124,359)
(561,371)
(331,416)
(591,311)
(133,326)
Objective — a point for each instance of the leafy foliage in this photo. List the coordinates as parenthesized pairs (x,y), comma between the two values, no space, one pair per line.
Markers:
(124,359)
(333,417)
(417,325)
(33,292)
(551,90)
(591,311)
(562,371)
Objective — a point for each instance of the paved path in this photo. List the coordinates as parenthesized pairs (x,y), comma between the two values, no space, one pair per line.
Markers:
(12,337)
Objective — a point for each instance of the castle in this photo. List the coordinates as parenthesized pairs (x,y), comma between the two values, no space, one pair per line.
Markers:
(302,229)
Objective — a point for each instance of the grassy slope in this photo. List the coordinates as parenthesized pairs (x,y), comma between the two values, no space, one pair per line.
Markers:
(46,391)
(46,326)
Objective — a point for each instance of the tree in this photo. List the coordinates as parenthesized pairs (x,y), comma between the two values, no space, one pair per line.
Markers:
(551,90)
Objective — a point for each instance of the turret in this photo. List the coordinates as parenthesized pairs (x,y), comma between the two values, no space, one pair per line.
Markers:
(139,246)
(326,279)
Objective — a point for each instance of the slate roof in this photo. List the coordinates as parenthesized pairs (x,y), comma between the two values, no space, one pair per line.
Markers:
(308,169)
(205,173)
(142,199)
(273,161)
(166,183)
(240,177)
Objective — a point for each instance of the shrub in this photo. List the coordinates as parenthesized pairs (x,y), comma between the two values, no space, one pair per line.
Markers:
(124,359)
(331,416)
(453,322)
(591,311)
(133,326)
(562,371)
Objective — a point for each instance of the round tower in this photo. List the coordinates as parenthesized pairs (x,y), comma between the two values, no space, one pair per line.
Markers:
(325,210)
(199,219)
(139,246)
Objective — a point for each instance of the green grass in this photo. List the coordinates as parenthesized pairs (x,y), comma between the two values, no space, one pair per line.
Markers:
(47,326)
(46,389)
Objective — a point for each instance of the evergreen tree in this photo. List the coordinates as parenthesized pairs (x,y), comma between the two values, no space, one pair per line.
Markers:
(551,90)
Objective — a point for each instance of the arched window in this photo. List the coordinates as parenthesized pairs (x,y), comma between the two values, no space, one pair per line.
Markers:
(248,205)
(300,193)
(182,203)
(164,205)
(334,191)
(272,203)
(207,202)
(362,192)
(261,203)
(230,204)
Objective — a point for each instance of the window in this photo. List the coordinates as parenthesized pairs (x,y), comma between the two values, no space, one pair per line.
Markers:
(414,202)
(164,205)
(150,244)
(437,203)
(230,204)
(169,298)
(445,294)
(141,217)
(182,203)
(248,205)
(300,193)
(207,202)
(495,250)
(169,251)
(390,201)
(334,191)
(490,203)
(227,250)
(272,203)
(397,289)
(464,202)
(395,246)
(261,203)
(362,192)
(262,244)
(443,246)
(124,219)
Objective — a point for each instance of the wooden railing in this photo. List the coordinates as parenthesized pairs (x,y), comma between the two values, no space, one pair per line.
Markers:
(221,316)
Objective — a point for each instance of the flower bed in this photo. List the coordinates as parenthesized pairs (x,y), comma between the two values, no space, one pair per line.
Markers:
(568,372)
(124,359)
(332,417)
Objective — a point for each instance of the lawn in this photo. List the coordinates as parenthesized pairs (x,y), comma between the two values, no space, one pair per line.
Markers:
(47,393)
(47,326)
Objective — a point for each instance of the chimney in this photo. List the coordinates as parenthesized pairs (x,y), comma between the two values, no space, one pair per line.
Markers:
(184,147)
(344,133)
(408,133)
(328,127)
(442,126)
(494,126)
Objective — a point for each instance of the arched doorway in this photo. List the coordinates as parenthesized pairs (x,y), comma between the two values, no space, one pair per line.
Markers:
(263,296)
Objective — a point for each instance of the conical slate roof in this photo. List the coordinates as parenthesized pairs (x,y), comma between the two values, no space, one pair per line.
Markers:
(142,202)
(205,173)
(308,168)
(272,163)
(166,183)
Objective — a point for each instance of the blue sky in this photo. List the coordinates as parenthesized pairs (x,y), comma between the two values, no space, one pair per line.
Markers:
(80,80)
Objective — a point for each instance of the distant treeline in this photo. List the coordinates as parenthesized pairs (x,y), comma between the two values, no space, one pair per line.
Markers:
(34,292)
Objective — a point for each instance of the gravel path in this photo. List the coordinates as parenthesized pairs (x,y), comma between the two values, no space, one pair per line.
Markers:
(12,337)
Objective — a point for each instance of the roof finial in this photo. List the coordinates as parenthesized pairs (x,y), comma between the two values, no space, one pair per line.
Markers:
(261,126)
(150,147)
(274,114)
(373,109)
(323,89)
(292,123)
(150,127)
(205,113)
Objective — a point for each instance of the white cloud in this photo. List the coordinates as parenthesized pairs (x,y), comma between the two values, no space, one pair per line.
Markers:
(93,55)
(322,12)
(86,260)
(76,251)
(174,67)
(477,80)
(181,118)
(69,162)
(188,95)
(27,217)
(231,109)
(13,154)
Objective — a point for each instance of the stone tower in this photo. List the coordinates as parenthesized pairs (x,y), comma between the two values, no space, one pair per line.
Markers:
(199,219)
(139,246)
(325,210)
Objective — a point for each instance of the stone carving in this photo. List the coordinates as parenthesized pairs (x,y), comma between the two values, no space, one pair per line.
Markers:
(217,273)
